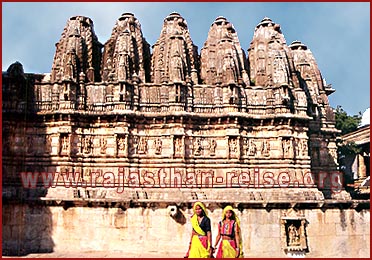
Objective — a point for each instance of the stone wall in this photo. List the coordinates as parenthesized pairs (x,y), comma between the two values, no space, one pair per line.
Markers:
(218,112)
(330,233)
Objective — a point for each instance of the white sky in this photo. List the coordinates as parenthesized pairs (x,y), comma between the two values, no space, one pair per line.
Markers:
(338,34)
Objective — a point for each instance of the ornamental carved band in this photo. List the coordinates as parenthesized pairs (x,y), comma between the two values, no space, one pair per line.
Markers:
(105,106)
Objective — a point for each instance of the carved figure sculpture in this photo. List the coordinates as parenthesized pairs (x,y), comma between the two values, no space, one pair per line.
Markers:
(103,145)
(265,148)
(123,67)
(178,146)
(293,235)
(177,68)
(65,144)
(158,146)
(212,147)
(87,144)
(233,145)
(121,143)
(142,146)
(252,150)
(198,147)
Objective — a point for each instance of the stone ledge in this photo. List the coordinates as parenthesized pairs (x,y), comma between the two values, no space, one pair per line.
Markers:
(161,198)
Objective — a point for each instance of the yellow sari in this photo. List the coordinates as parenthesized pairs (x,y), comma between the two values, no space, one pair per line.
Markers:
(200,245)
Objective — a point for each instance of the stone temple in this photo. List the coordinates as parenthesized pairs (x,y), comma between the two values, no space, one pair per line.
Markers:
(119,139)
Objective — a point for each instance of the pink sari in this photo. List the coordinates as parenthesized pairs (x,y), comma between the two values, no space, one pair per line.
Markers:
(227,248)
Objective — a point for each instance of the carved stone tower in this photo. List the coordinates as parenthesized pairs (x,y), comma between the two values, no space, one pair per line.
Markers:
(126,58)
(223,62)
(78,51)
(322,131)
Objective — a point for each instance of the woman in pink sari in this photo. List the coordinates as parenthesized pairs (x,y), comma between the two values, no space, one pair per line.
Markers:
(200,243)
(229,231)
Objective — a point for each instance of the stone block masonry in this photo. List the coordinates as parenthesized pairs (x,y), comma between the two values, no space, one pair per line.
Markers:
(112,109)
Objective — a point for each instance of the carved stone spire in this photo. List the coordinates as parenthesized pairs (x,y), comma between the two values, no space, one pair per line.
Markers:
(174,56)
(78,51)
(222,58)
(126,54)
(311,81)
(269,65)
(272,69)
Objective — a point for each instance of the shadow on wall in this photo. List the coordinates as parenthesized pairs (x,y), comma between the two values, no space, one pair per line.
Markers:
(26,222)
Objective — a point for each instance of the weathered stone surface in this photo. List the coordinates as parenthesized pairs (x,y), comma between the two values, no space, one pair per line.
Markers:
(174,57)
(149,231)
(222,58)
(126,54)
(115,143)
(78,53)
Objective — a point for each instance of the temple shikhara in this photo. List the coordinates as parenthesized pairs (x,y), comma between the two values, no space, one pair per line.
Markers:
(121,138)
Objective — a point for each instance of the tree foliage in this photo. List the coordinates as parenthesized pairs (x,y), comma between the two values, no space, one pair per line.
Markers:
(347,123)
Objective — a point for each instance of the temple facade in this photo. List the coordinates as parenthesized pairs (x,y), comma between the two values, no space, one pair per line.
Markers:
(118,126)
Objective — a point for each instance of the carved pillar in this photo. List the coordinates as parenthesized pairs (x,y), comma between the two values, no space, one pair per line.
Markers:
(110,93)
(81,100)
(183,146)
(126,148)
(238,144)
(55,97)
(194,76)
(362,170)
(136,93)
(189,97)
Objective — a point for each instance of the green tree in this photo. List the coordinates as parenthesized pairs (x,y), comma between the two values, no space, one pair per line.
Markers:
(347,123)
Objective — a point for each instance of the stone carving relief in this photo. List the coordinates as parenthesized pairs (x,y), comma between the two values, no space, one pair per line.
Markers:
(123,67)
(301,98)
(103,145)
(287,147)
(121,144)
(265,148)
(293,233)
(251,148)
(222,58)
(142,144)
(256,98)
(64,144)
(198,148)
(77,51)
(312,81)
(158,145)
(204,96)
(293,236)
(280,69)
(178,147)
(205,146)
(151,95)
(87,144)
(233,148)
(333,155)
(126,54)
(174,54)
(212,147)
(301,148)
(175,62)
(47,141)
(229,69)
(177,65)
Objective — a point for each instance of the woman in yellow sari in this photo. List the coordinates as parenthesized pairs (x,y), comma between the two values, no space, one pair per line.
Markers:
(200,243)
(229,231)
